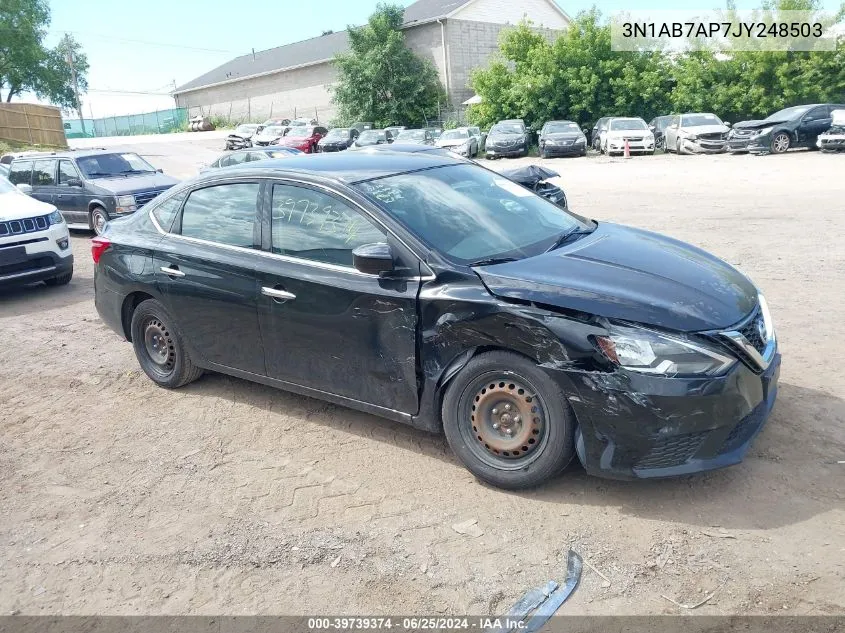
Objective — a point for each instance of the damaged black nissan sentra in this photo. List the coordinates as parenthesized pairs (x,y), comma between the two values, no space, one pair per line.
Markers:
(429,290)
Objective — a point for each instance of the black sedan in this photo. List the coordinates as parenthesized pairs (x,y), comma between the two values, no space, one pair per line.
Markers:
(337,139)
(799,126)
(431,291)
(561,138)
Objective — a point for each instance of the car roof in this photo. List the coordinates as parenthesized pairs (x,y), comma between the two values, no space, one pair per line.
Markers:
(559,121)
(348,167)
(73,153)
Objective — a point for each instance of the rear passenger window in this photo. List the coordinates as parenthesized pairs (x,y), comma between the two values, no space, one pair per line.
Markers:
(166,212)
(44,173)
(223,213)
(21,172)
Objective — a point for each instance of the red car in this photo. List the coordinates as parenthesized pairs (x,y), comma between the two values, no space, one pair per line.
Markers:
(303,137)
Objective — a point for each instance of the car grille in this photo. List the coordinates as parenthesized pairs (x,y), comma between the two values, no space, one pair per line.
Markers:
(26,225)
(751,331)
(713,136)
(742,133)
(22,267)
(672,451)
(143,197)
(632,138)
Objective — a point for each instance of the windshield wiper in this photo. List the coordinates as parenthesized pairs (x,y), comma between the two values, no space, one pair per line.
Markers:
(103,174)
(493,260)
(564,237)
(137,171)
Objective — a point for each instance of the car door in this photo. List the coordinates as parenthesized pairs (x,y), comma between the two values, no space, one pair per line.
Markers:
(813,123)
(205,271)
(325,325)
(44,179)
(670,135)
(69,198)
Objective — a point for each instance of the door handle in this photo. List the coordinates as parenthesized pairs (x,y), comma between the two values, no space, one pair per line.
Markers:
(173,272)
(278,295)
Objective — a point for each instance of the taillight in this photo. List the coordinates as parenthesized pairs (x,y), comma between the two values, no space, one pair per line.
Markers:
(99,245)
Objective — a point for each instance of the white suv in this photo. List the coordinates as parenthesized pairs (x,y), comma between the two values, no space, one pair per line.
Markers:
(34,240)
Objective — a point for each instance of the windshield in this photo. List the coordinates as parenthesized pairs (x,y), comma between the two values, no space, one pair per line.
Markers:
(338,132)
(628,124)
(6,186)
(300,132)
(692,120)
(246,129)
(506,128)
(451,135)
(788,114)
(105,165)
(411,135)
(470,214)
(371,135)
(273,130)
(563,126)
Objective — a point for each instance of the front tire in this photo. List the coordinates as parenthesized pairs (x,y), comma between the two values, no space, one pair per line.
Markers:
(159,347)
(780,143)
(508,421)
(98,220)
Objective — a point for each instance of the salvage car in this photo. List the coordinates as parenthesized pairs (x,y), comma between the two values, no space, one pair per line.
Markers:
(834,139)
(373,137)
(798,126)
(337,139)
(34,240)
(270,135)
(415,137)
(242,136)
(657,126)
(696,133)
(250,155)
(561,138)
(460,141)
(536,179)
(507,138)
(630,130)
(303,138)
(89,187)
(431,291)
(598,129)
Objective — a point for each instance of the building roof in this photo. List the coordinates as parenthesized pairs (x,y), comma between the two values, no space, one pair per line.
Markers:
(311,51)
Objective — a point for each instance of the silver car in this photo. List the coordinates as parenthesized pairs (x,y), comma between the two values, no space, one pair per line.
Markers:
(696,133)
(460,140)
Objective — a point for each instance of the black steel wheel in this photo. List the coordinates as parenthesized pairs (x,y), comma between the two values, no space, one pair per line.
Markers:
(159,348)
(508,421)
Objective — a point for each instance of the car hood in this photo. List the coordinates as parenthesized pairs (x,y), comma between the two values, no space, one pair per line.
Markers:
(705,129)
(16,206)
(293,141)
(241,135)
(494,138)
(132,184)
(621,133)
(452,142)
(624,273)
(563,136)
(756,124)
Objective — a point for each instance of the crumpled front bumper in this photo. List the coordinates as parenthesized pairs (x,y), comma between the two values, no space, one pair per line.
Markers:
(633,426)
(701,146)
(831,142)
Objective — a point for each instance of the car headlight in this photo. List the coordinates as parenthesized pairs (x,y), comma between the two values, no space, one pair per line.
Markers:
(649,352)
(125,204)
(649,137)
(55,218)
(581,140)
(691,137)
(765,130)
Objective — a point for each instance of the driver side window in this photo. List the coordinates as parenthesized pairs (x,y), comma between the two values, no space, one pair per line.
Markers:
(816,113)
(313,225)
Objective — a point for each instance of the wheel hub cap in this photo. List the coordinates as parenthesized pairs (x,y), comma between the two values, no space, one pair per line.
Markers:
(506,418)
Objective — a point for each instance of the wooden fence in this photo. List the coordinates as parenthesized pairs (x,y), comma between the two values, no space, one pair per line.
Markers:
(32,124)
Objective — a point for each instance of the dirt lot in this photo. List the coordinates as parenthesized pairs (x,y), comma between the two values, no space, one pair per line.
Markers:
(230,497)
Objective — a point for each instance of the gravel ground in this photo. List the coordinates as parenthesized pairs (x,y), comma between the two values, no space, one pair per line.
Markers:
(227,497)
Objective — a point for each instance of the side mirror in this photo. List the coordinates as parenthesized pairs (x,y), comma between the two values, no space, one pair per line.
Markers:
(373,259)
(727,123)
(25,188)
(74,182)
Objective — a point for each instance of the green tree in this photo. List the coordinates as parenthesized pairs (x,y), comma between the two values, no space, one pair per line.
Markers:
(380,79)
(27,65)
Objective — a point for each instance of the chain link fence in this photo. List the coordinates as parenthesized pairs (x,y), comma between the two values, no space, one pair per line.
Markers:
(157,122)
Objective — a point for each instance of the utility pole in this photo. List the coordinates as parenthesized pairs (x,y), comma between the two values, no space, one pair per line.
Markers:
(70,61)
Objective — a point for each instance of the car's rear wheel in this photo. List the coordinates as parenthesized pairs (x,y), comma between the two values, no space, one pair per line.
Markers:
(508,422)
(99,217)
(159,347)
(60,280)
(780,143)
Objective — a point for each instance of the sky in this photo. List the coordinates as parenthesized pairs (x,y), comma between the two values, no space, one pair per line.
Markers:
(144,47)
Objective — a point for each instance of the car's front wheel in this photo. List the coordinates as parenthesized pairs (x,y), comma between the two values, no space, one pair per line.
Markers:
(780,143)
(508,421)
(159,347)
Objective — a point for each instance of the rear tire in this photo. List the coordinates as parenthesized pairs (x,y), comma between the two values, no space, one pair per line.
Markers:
(508,421)
(159,347)
(60,280)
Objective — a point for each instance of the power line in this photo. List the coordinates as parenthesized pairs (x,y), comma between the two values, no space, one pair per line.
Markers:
(149,43)
(129,92)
